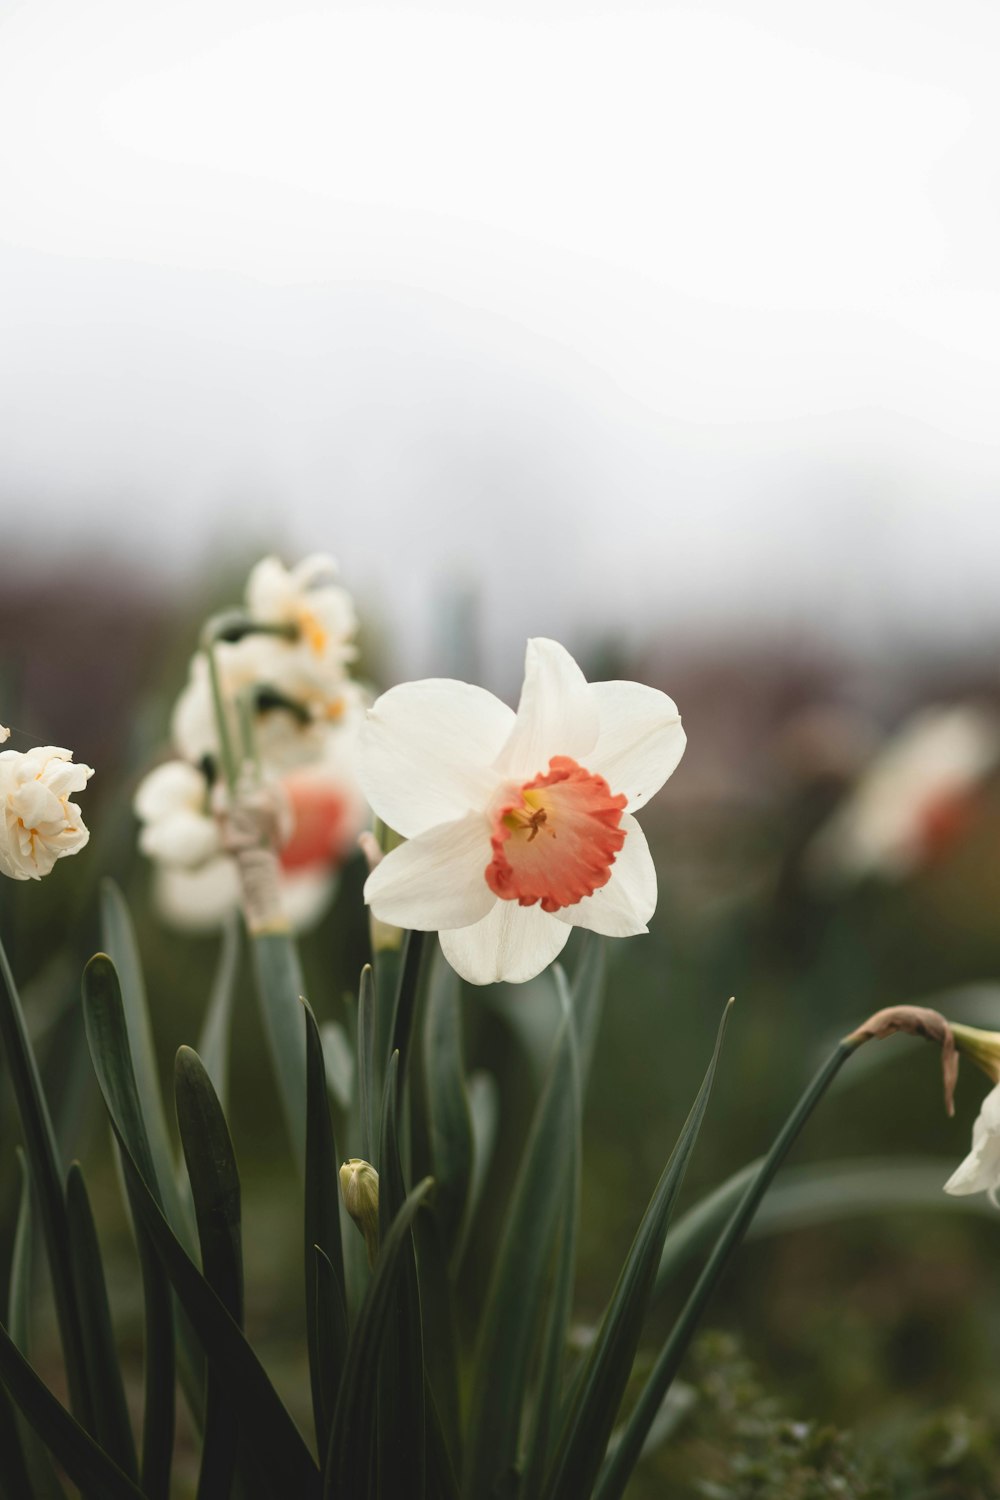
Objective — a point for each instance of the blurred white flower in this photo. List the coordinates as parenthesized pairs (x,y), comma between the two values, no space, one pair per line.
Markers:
(980,1171)
(519,826)
(172,803)
(306,597)
(4,734)
(40,824)
(914,798)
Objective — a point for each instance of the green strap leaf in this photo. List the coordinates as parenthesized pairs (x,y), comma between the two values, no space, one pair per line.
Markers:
(617,1471)
(598,1391)
(352,1436)
(113,1427)
(46,1175)
(405,1003)
(402,1437)
(326,1310)
(215,1190)
(697,1229)
(123,951)
(213,1041)
(367,1079)
(87,1465)
(448,1122)
(283,1458)
(22,1451)
(517,1286)
(280,990)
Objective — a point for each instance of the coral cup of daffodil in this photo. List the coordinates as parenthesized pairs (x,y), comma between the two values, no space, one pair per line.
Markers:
(519,826)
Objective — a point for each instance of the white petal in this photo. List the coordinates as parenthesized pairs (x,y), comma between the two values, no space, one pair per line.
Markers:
(556,714)
(512,944)
(980,1171)
(640,739)
(197,900)
(184,838)
(437,880)
(425,750)
(306,895)
(623,906)
(167,789)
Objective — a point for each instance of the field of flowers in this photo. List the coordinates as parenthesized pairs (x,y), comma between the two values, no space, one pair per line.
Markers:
(401,1137)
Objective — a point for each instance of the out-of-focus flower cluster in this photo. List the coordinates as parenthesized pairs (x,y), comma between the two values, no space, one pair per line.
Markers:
(282,671)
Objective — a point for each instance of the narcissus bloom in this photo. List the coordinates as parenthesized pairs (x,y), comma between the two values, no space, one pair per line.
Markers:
(980,1171)
(519,826)
(39,823)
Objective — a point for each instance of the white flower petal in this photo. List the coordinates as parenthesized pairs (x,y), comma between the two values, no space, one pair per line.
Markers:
(980,1171)
(437,880)
(556,715)
(512,944)
(640,739)
(167,789)
(197,900)
(425,750)
(184,838)
(306,896)
(623,906)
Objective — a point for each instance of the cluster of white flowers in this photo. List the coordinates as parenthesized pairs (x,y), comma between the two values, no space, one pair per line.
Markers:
(289,665)
(40,824)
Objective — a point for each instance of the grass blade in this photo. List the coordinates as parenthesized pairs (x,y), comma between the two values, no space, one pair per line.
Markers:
(22,1449)
(599,1389)
(215,1190)
(352,1436)
(448,1121)
(615,1475)
(367,1081)
(326,1309)
(213,1041)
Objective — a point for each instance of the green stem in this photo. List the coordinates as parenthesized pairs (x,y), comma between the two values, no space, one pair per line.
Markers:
(46,1174)
(226,753)
(616,1474)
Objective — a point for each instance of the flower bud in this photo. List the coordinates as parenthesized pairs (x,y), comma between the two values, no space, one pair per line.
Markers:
(359,1187)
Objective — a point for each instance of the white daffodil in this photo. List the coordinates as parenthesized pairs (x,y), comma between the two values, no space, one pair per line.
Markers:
(913,800)
(172,804)
(519,826)
(40,824)
(980,1171)
(306,597)
(4,734)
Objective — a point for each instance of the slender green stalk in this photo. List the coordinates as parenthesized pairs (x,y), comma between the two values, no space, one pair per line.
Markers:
(227,756)
(613,1480)
(46,1174)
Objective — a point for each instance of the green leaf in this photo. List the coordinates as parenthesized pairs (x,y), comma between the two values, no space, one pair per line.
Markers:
(20,1441)
(123,951)
(46,1176)
(326,1312)
(616,1473)
(352,1436)
(401,1421)
(405,1003)
(484,1113)
(367,1079)
(282,1456)
(281,990)
(113,1428)
(599,1389)
(517,1286)
(87,1465)
(215,1189)
(440,1349)
(696,1229)
(448,1122)
(213,1042)
(587,985)
(339,1062)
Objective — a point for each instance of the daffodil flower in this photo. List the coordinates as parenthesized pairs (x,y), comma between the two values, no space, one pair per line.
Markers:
(519,826)
(39,824)
(980,1171)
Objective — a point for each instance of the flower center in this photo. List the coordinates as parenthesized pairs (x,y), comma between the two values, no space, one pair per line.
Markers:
(555,838)
(313,632)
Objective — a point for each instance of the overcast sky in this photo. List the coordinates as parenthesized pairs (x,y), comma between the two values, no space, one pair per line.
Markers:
(628,316)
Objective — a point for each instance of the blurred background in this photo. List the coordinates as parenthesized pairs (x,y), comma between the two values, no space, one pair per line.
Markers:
(668,330)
